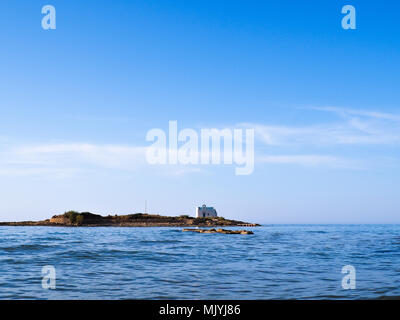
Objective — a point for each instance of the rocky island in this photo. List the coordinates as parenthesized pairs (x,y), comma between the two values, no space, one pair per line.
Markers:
(87,219)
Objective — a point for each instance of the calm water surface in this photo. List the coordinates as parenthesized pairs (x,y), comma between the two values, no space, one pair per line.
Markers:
(277,262)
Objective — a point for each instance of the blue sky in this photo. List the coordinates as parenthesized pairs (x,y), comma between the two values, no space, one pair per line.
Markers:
(76,104)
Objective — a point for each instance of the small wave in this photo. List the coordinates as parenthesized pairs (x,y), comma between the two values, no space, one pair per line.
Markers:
(276,234)
(159,241)
(26,247)
(386,297)
(385,251)
(317,231)
(48,238)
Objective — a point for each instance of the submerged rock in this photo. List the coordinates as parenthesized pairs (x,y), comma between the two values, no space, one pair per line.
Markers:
(224,231)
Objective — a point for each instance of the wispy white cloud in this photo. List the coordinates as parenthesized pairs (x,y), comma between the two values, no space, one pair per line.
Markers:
(312,160)
(345,112)
(66,159)
(350,128)
(181,170)
(110,156)
(15,171)
(69,159)
(355,127)
(312,142)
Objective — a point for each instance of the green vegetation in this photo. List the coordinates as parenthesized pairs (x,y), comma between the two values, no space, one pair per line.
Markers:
(78,218)
(72,215)
(137,215)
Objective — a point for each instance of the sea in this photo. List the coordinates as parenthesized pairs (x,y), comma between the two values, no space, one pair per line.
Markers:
(276,262)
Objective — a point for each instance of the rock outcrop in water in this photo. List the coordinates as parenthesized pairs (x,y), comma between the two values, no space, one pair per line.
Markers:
(87,219)
(224,231)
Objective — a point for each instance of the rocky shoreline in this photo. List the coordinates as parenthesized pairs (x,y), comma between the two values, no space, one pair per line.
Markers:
(87,219)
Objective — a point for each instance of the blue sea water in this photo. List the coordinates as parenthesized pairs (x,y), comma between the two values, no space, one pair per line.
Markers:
(277,262)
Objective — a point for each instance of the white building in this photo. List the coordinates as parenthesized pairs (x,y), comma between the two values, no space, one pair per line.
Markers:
(204,212)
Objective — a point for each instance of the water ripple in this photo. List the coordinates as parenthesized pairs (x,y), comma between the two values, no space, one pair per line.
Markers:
(277,262)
